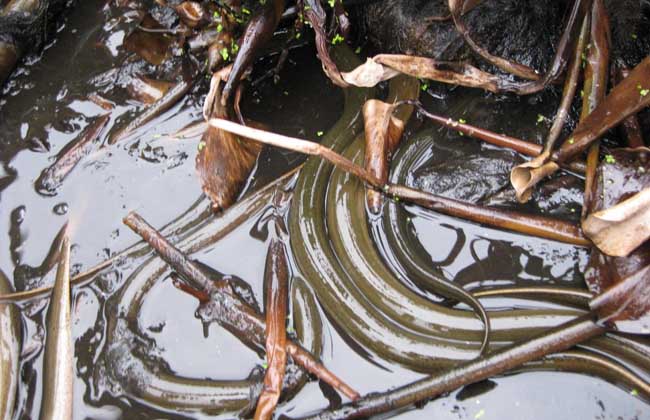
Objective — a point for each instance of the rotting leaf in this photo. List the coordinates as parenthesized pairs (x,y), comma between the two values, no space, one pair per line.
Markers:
(152,47)
(224,160)
(382,133)
(277,285)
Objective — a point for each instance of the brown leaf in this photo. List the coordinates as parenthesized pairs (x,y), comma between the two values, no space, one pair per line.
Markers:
(382,133)
(223,164)
(368,74)
(152,47)
(224,160)
(277,285)
(620,229)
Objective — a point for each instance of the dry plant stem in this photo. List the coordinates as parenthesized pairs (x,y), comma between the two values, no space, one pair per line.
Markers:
(521,146)
(543,227)
(276,283)
(534,225)
(239,315)
(557,339)
(569,91)
(315,14)
(456,7)
(595,88)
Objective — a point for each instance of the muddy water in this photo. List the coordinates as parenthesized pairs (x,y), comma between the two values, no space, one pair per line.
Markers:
(46,104)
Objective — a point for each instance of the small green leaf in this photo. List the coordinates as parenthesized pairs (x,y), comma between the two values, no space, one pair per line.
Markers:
(480,414)
(610,159)
(319,133)
(224,53)
(540,118)
(337,39)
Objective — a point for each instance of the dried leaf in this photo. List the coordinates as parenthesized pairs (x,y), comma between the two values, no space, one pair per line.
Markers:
(524,177)
(368,74)
(59,350)
(455,73)
(223,163)
(9,351)
(277,286)
(382,133)
(620,229)
(152,47)
(224,160)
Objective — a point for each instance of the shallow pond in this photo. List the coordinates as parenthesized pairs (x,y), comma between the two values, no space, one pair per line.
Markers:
(46,104)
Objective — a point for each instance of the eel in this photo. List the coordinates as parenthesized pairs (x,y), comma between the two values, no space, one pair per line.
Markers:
(336,255)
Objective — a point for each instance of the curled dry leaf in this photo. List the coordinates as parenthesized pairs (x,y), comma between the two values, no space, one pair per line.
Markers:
(277,286)
(368,74)
(621,282)
(455,73)
(152,47)
(524,177)
(9,351)
(59,350)
(147,90)
(383,127)
(620,229)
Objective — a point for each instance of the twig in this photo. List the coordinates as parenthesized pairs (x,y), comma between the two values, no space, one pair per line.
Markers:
(534,225)
(521,146)
(238,317)
(560,338)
